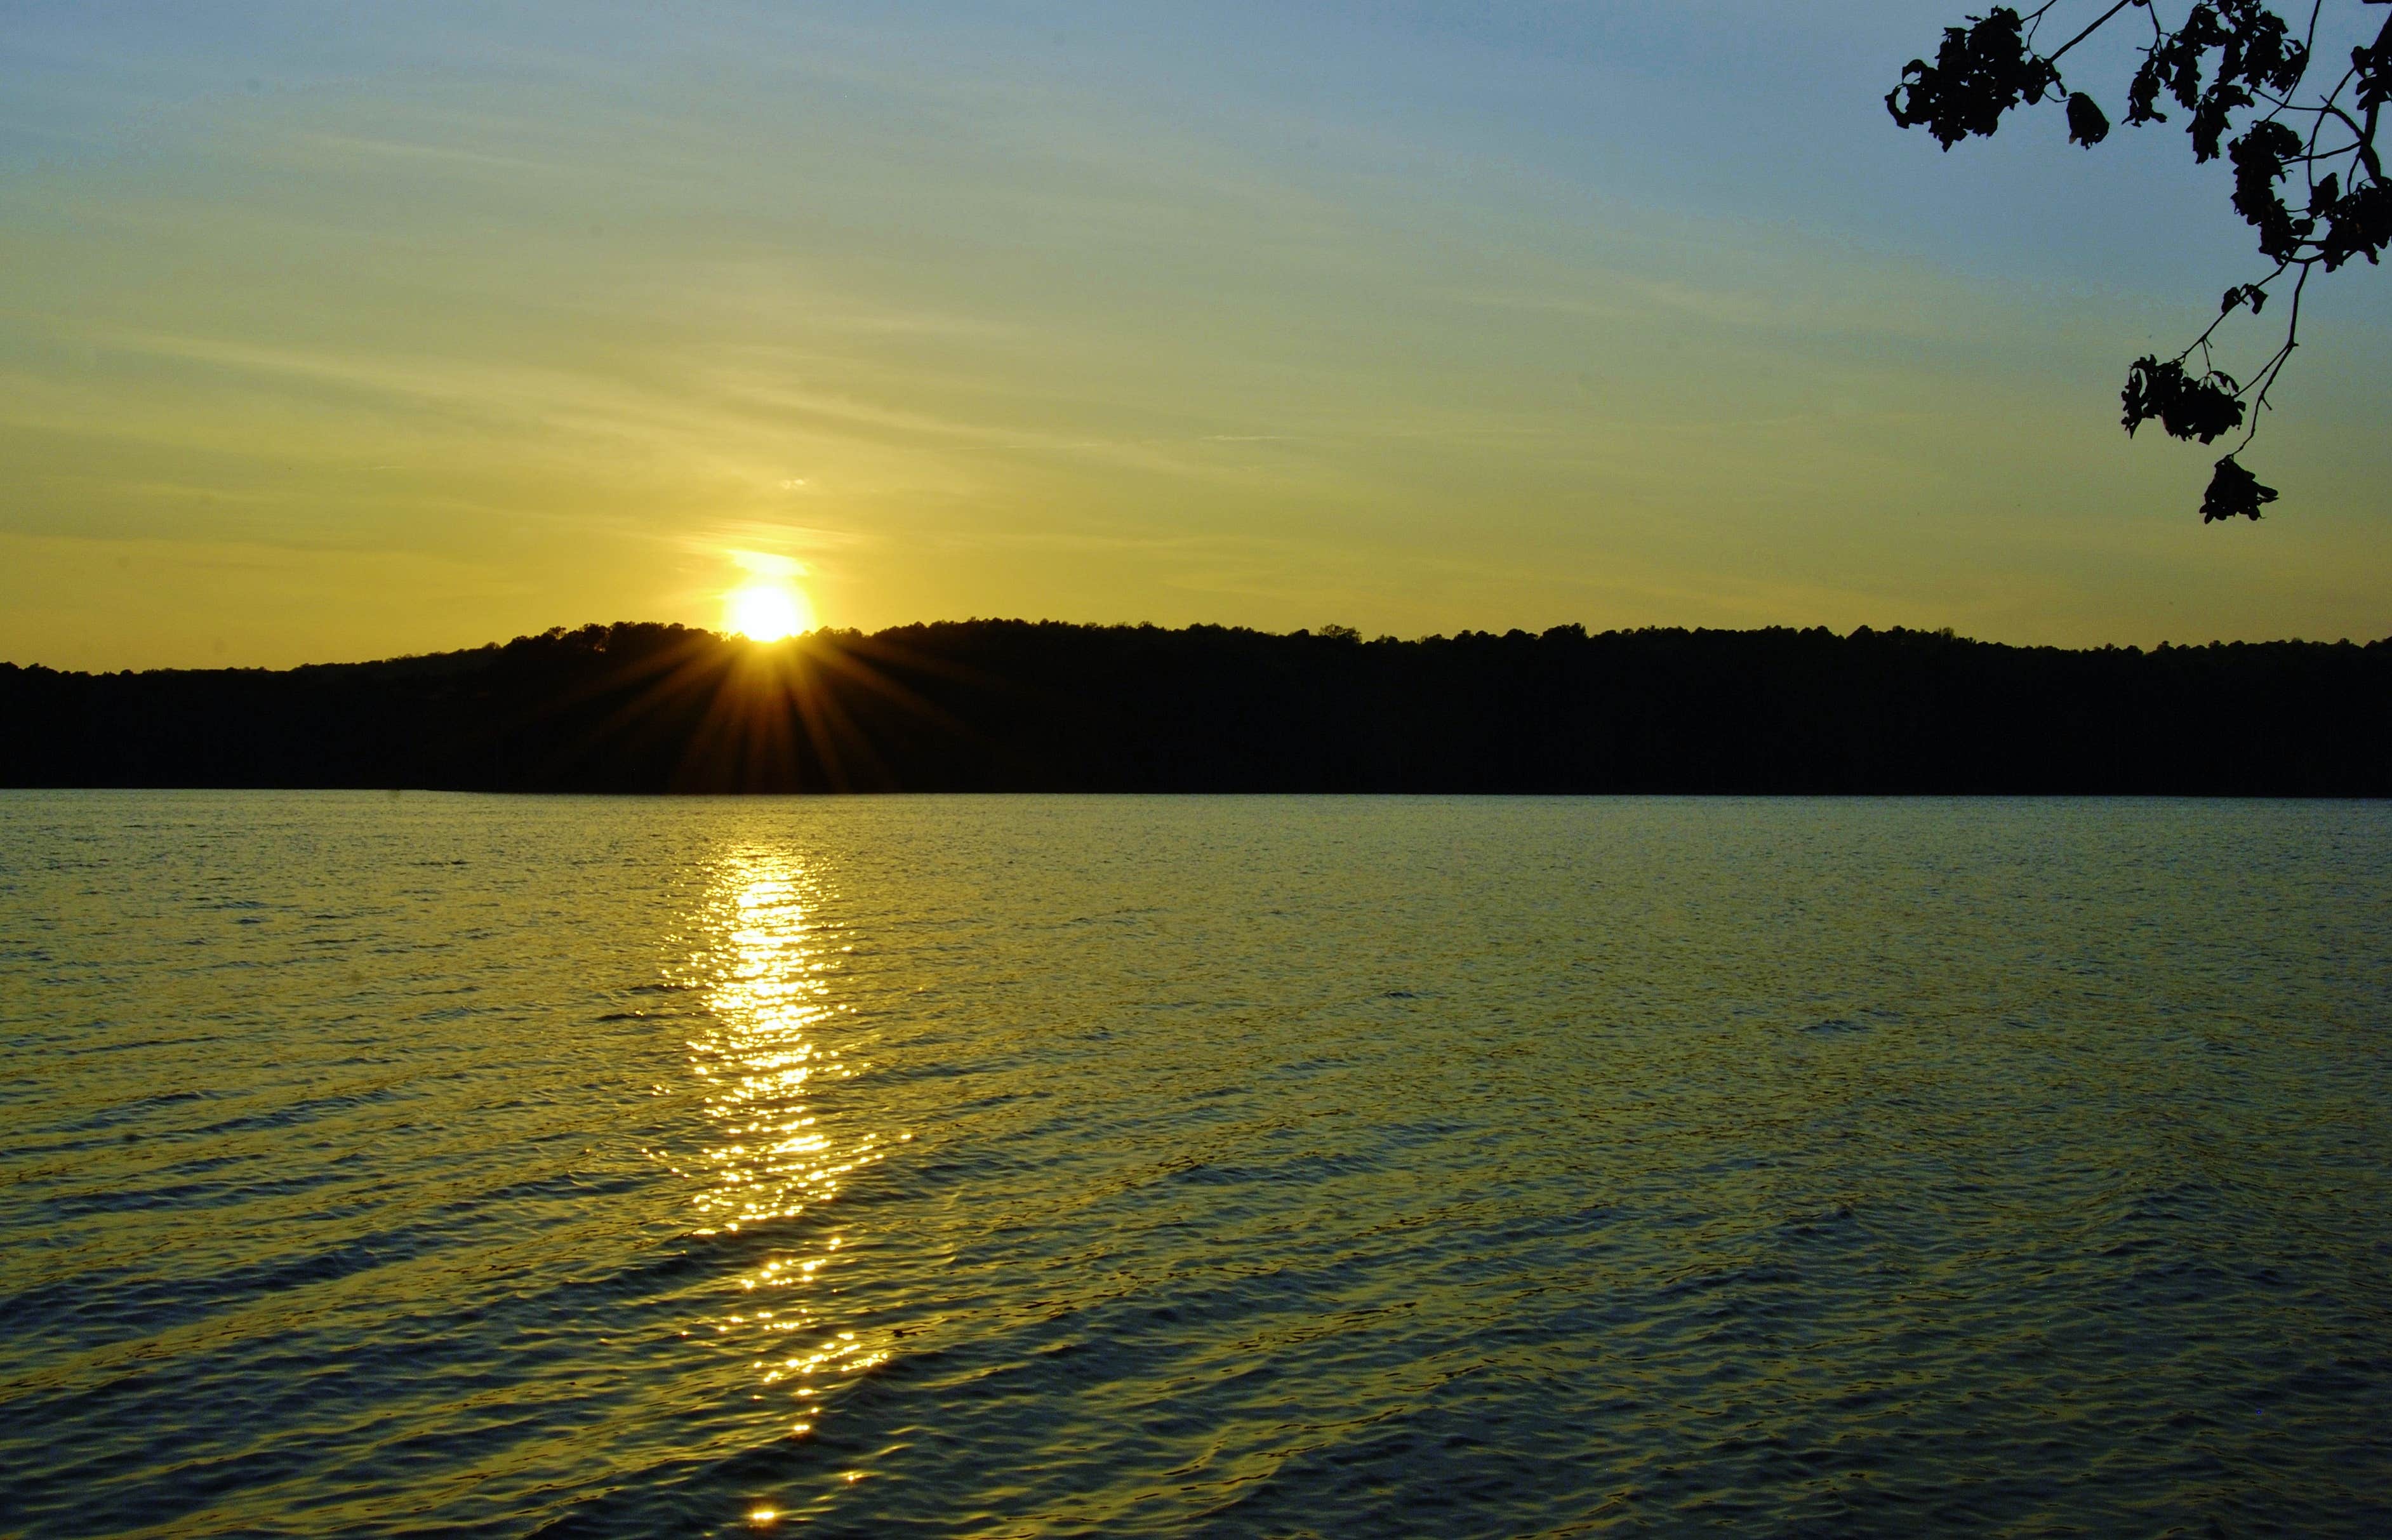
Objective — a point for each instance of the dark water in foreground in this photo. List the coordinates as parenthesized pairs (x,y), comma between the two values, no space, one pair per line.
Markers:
(1056,1166)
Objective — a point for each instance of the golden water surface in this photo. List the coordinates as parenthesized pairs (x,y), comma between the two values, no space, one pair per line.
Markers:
(379,1165)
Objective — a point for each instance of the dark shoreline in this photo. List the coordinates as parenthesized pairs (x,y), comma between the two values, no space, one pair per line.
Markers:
(1011,706)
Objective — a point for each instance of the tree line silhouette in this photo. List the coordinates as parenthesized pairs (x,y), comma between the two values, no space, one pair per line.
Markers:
(1013,705)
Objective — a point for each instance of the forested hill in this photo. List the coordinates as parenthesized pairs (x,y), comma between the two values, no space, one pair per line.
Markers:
(1019,707)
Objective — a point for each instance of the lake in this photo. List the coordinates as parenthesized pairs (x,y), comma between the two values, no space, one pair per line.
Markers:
(388,1165)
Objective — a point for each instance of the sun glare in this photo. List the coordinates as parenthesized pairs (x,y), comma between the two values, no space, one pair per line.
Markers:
(767,611)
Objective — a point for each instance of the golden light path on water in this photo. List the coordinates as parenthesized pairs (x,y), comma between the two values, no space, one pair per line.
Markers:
(764,970)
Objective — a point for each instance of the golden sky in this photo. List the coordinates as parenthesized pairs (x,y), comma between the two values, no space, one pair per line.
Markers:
(335,333)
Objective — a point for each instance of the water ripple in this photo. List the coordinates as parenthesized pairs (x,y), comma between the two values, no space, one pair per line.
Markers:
(1065,1165)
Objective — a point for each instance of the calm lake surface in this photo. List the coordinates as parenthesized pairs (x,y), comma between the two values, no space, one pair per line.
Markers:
(376,1165)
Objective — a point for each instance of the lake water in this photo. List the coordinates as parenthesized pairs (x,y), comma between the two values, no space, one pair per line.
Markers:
(376,1165)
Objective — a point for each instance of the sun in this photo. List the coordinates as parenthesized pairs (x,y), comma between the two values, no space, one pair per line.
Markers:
(767,611)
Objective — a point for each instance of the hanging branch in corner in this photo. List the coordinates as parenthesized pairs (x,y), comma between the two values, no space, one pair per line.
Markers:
(2306,176)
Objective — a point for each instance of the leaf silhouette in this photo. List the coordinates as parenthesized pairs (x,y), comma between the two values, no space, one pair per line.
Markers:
(2233,490)
(2205,408)
(2086,126)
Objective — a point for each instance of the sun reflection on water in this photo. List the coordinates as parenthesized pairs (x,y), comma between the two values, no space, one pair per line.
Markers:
(767,1062)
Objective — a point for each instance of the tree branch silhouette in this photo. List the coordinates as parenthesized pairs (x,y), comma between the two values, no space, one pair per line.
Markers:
(2235,67)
